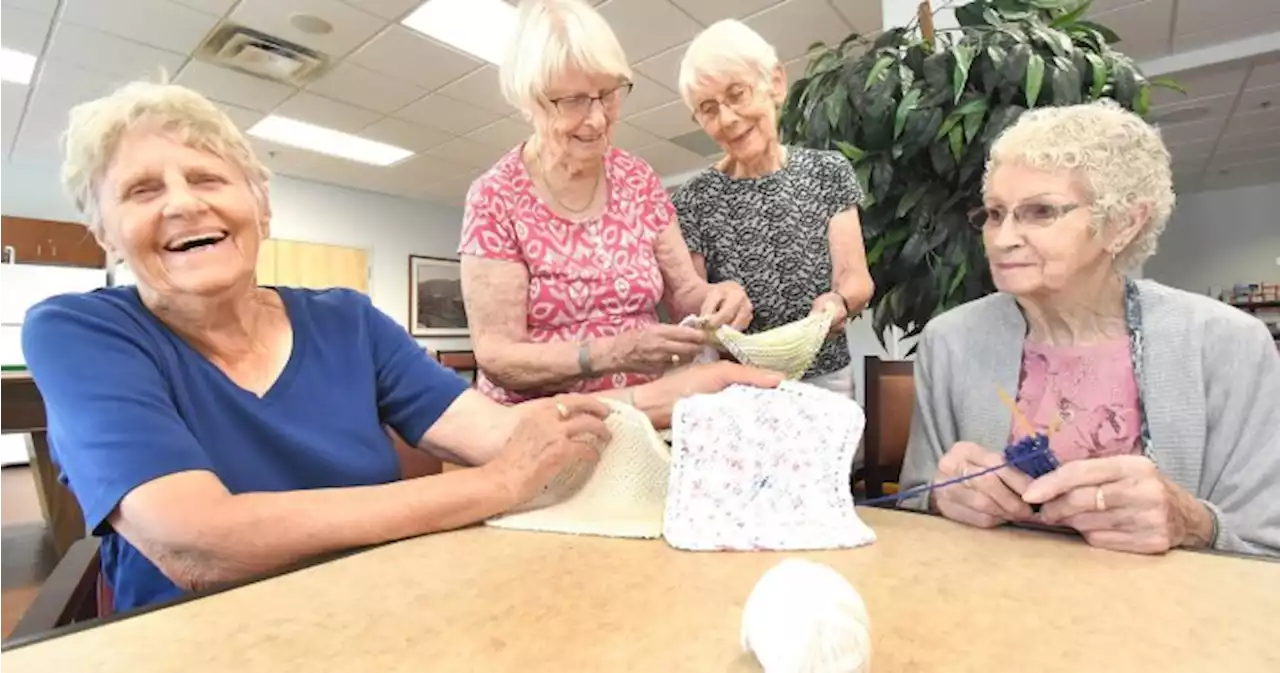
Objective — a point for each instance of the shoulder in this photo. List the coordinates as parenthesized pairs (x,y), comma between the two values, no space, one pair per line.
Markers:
(628,166)
(824,162)
(1171,309)
(697,189)
(499,178)
(971,318)
(331,305)
(104,311)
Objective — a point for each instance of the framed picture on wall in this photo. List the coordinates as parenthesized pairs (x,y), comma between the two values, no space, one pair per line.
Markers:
(435,297)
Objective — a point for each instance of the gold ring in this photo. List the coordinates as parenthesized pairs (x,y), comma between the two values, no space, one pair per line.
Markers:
(675,359)
(1099,502)
(562,409)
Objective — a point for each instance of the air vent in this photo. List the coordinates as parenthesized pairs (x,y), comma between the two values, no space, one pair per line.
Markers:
(261,55)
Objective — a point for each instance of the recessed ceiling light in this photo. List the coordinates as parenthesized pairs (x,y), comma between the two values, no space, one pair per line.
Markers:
(16,66)
(327,141)
(478,27)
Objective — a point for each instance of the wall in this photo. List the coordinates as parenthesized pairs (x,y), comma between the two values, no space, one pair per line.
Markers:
(1216,239)
(389,227)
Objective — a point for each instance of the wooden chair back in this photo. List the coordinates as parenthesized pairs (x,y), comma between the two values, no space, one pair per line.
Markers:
(890,397)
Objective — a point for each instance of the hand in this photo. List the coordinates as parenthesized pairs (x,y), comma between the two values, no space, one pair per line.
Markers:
(987,501)
(546,442)
(834,303)
(727,304)
(657,399)
(1121,503)
(656,348)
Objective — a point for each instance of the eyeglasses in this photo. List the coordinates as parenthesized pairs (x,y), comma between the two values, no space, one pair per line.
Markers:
(579,105)
(737,98)
(1031,215)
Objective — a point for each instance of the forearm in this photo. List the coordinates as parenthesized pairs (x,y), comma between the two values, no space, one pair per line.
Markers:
(856,290)
(687,298)
(543,367)
(253,533)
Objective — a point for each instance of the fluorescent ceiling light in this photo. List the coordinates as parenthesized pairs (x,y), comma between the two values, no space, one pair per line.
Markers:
(479,27)
(327,141)
(16,66)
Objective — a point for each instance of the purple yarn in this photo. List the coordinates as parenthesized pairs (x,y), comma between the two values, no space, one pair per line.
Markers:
(1030,454)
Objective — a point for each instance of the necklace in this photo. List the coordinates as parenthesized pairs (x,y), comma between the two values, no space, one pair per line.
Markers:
(537,158)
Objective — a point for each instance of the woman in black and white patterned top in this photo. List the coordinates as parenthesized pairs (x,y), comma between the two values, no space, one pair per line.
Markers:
(781,221)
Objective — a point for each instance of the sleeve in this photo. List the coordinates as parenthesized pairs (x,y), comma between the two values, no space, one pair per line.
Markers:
(1241,475)
(113,425)
(846,193)
(413,390)
(661,211)
(487,229)
(931,420)
(686,214)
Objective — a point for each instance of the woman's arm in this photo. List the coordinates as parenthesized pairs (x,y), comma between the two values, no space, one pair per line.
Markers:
(850,277)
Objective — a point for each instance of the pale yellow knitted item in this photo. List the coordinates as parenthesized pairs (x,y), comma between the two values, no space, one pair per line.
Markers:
(788,349)
(623,495)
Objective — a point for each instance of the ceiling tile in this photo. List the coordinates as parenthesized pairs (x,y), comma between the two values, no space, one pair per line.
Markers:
(410,57)
(313,109)
(1226,32)
(1260,138)
(668,158)
(404,134)
(668,121)
(1175,134)
(62,87)
(509,132)
(794,25)
(242,117)
(708,12)
(664,68)
(865,17)
(631,138)
(353,84)
(218,8)
(1198,149)
(646,95)
(158,23)
(1194,110)
(1265,72)
(1200,83)
(387,9)
(469,153)
(480,88)
(1241,124)
(1194,15)
(13,97)
(232,87)
(351,27)
(447,114)
(44,9)
(1143,27)
(1103,6)
(447,193)
(1245,156)
(418,171)
(1259,100)
(24,30)
(647,27)
(109,54)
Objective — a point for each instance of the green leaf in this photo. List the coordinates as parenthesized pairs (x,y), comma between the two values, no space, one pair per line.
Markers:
(1125,85)
(958,277)
(973,123)
(1073,15)
(964,59)
(882,178)
(1035,78)
(1167,83)
(1142,105)
(1098,69)
(836,104)
(1106,33)
(912,197)
(1015,66)
(889,38)
(948,124)
(905,108)
(971,14)
(937,71)
(1058,43)
(878,71)
(957,142)
(1000,119)
(851,152)
(972,106)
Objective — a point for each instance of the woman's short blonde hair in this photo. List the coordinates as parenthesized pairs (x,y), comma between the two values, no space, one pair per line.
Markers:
(550,37)
(1120,159)
(725,48)
(96,128)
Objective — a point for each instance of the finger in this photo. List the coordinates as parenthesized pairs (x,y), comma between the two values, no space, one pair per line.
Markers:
(742,319)
(1078,473)
(685,351)
(1084,499)
(1011,506)
(971,507)
(587,429)
(752,376)
(680,333)
(575,405)
(1129,542)
(1015,479)
(1092,522)
(723,315)
(712,303)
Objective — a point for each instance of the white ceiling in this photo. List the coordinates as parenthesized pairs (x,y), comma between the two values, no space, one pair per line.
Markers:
(391,84)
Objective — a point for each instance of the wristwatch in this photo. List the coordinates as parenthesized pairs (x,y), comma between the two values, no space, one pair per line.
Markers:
(584,358)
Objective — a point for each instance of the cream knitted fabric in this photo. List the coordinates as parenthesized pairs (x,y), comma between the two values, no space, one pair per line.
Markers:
(788,349)
(623,495)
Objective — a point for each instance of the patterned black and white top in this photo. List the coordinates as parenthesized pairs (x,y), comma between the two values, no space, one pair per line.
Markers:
(770,235)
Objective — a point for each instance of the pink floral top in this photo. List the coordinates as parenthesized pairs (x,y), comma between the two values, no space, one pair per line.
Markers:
(1092,389)
(587,279)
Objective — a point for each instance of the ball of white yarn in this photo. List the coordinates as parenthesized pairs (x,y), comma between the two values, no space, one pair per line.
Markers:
(803,617)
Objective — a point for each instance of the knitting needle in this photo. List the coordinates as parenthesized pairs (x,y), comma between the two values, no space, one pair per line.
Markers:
(1017,413)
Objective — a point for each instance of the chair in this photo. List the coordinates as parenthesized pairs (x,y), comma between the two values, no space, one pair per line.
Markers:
(890,397)
(74,592)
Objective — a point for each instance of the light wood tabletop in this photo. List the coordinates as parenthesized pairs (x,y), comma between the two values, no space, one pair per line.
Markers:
(942,597)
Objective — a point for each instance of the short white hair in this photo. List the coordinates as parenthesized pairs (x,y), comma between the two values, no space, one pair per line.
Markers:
(550,37)
(95,129)
(725,48)
(1120,159)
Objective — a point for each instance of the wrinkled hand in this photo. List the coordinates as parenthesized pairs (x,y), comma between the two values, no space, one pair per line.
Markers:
(546,442)
(1121,503)
(987,501)
(658,348)
(657,399)
(835,304)
(727,304)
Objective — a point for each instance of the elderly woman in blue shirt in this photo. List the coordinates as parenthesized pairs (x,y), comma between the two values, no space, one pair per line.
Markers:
(213,429)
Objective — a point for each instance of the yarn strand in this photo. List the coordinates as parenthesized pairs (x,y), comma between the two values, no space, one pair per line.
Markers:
(1032,452)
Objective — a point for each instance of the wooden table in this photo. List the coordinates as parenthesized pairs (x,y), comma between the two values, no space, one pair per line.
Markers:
(22,410)
(942,597)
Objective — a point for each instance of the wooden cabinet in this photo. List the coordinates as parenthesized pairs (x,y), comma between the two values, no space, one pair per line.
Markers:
(313,265)
(31,241)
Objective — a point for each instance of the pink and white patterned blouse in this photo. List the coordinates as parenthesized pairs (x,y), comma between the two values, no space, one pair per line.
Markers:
(1093,390)
(587,279)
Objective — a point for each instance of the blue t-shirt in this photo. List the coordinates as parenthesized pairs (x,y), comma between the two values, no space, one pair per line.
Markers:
(129,401)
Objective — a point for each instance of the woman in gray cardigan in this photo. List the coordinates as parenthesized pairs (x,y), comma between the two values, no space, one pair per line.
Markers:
(1163,406)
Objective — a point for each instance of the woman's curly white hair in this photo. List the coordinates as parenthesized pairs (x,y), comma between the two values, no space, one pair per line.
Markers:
(1120,159)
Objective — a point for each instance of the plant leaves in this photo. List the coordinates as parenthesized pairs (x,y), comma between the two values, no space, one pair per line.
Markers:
(1073,15)
(1167,83)
(971,14)
(957,142)
(1125,85)
(1106,33)
(948,124)
(878,71)
(1142,105)
(836,104)
(889,38)
(1000,120)
(964,60)
(911,199)
(1035,78)
(908,104)
(937,71)
(973,122)
(1098,69)
(851,152)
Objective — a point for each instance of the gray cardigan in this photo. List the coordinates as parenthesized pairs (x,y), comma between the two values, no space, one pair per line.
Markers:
(1212,396)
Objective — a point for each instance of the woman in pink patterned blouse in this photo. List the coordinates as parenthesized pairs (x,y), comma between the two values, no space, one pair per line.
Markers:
(569,244)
